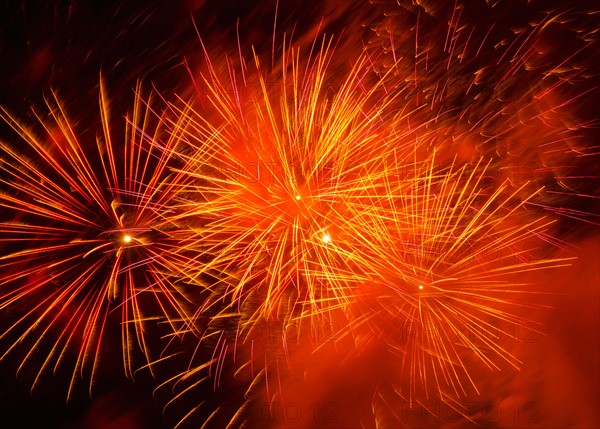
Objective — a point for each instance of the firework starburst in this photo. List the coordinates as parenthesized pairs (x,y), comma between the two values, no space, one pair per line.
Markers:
(84,236)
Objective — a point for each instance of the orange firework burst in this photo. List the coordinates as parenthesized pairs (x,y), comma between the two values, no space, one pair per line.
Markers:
(445,255)
(84,237)
(270,171)
(365,201)
(317,203)
(346,231)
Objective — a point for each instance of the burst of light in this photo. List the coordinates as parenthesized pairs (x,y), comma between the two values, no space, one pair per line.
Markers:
(402,216)
(342,148)
(272,259)
(469,242)
(246,155)
(67,210)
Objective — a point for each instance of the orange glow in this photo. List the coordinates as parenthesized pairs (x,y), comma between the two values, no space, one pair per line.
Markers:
(330,214)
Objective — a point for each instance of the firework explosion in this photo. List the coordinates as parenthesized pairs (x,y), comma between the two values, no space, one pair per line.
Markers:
(358,230)
(89,235)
